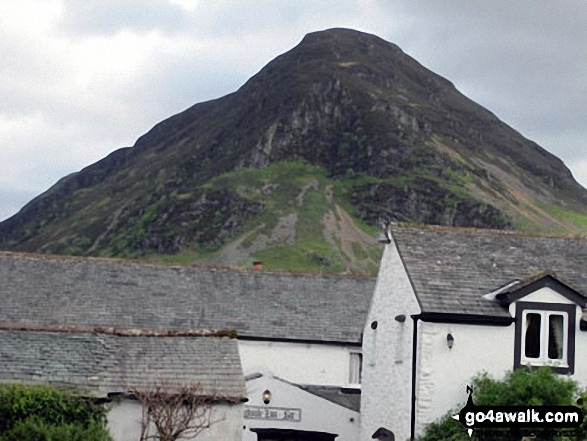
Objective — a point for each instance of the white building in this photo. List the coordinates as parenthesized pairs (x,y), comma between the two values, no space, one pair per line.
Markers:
(106,364)
(305,330)
(451,303)
(278,409)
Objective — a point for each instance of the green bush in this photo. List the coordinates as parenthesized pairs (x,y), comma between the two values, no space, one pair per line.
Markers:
(34,429)
(523,387)
(48,413)
(446,429)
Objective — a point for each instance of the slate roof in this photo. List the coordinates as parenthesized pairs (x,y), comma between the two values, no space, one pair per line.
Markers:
(107,292)
(349,398)
(101,363)
(451,269)
(336,395)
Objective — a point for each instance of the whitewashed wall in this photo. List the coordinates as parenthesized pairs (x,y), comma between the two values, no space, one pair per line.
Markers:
(125,416)
(546,295)
(581,359)
(443,374)
(316,414)
(387,352)
(301,363)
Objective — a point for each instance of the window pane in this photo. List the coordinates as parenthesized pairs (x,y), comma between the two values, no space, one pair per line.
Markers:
(356,367)
(555,337)
(532,337)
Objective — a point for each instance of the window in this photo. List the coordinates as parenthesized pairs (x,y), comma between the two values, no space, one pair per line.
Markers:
(355,367)
(545,335)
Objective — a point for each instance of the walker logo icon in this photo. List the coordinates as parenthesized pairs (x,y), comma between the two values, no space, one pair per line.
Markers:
(495,417)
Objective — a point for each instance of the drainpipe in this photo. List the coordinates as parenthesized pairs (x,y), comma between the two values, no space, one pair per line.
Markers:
(414,357)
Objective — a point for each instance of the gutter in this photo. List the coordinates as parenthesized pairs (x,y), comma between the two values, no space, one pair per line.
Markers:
(414,359)
(354,343)
(466,319)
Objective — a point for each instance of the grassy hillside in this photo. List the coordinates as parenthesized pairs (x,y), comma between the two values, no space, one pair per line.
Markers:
(311,223)
(305,224)
(300,166)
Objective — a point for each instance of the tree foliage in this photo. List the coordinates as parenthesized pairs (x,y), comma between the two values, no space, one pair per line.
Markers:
(525,387)
(522,387)
(35,429)
(46,413)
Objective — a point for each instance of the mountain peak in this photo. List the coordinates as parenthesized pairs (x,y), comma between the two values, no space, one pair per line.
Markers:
(342,44)
(348,37)
(330,138)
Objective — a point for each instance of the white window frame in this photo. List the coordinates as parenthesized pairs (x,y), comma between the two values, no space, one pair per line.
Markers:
(355,368)
(543,359)
(571,311)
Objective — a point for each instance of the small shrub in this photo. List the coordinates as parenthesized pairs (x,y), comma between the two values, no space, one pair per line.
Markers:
(523,387)
(47,405)
(35,429)
(445,429)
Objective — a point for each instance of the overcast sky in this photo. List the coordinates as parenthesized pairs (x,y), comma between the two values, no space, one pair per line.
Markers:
(81,78)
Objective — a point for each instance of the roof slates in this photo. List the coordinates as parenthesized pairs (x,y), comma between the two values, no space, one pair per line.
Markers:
(452,269)
(102,292)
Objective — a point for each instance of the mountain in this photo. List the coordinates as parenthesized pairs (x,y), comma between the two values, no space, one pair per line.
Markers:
(299,166)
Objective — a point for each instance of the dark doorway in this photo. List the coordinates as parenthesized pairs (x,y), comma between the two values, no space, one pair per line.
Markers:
(292,435)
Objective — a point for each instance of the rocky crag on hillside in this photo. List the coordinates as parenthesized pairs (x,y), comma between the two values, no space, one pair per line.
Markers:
(299,166)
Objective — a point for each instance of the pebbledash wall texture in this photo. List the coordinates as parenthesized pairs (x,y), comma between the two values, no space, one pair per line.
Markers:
(387,351)
(443,373)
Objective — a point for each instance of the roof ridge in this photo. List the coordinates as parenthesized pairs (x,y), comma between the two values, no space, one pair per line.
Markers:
(482,231)
(193,266)
(119,332)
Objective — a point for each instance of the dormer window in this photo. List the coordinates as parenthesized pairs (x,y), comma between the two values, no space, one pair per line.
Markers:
(545,336)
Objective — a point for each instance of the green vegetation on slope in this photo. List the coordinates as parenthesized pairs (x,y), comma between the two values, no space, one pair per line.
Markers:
(302,224)
(578,219)
(296,197)
(298,227)
(304,220)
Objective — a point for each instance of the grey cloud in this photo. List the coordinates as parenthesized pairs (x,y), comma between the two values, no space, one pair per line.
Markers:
(12,200)
(209,19)
(525,61)
(180,81)
(100,17)
(237,17)
(26,72)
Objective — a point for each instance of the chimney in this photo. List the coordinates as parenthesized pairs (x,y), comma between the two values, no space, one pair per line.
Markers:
(258,265)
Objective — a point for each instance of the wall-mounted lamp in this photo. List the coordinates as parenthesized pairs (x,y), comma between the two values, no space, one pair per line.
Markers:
(267,397)
(374,324)
(400,318)
(450,340)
